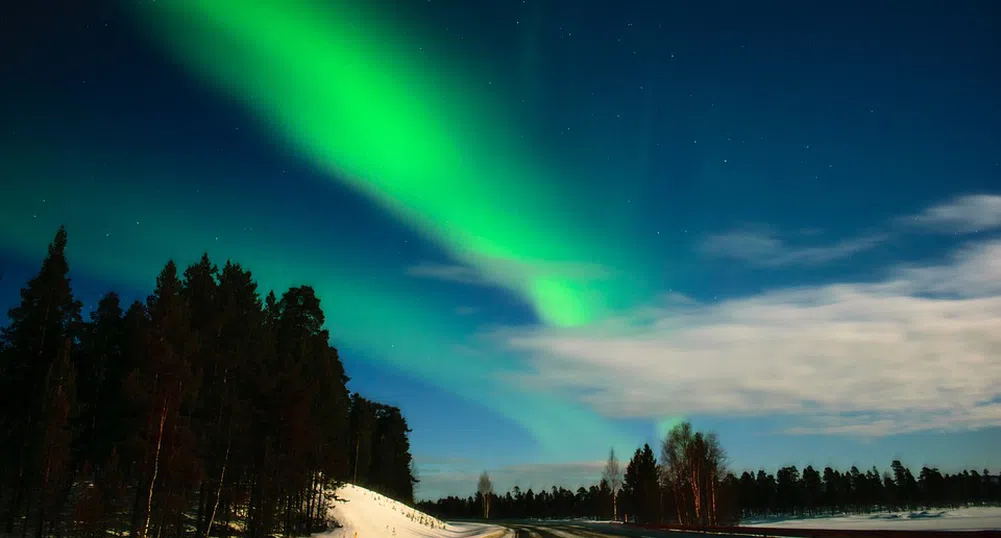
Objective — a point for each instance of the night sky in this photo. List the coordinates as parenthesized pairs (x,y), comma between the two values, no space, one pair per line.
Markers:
(544,228)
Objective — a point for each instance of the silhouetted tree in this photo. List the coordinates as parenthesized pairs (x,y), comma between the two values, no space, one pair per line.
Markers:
(612,475)
(484,491)
(641,486)
(198,407)
(37,349)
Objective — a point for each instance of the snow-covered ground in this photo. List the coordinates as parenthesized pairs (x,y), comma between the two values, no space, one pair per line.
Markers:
(962,519)
(366,514)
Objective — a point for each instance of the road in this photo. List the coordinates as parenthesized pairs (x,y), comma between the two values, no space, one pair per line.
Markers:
(587,530)
(569,529)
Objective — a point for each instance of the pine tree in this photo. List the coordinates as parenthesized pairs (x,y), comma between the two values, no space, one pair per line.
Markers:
(98,373)
(641,486)
(199,405)
(362,429)
(239,356)
(34,344)
(57,415)
(165,381)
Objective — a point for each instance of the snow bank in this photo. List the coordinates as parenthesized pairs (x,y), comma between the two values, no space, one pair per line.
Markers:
(366,514)
(962,519)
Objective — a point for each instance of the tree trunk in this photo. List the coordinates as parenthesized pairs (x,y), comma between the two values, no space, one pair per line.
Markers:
(677,501)
(45,486)
(156,469)
(357,447)
(712,497)
(222,477)
(694,480)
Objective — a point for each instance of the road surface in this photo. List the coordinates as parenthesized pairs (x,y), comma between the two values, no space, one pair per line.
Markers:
(569,529)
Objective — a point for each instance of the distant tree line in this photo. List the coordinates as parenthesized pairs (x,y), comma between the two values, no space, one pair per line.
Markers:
(203,410)
(690,485)
(687,486)
(812,492)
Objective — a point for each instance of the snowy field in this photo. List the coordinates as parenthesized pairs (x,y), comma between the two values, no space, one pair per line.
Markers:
(366,514)
(962,519)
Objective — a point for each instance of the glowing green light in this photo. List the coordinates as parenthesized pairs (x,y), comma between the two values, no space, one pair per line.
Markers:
(393,122)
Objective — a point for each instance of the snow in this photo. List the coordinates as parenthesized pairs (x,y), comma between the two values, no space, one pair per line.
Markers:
(961,519)
(366,514)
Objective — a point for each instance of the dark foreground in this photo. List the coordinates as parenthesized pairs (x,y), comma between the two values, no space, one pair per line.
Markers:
(537,529)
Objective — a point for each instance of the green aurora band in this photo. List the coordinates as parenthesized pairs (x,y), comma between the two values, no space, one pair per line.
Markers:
(411,135)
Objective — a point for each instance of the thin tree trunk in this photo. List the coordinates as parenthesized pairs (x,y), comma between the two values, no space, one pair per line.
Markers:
(310,498)
(693,478)
(677,501)
(156,468)
(222,477)
(712,495)
(357,447)
(45,487)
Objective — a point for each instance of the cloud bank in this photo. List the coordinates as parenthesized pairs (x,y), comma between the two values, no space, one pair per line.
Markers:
(962,214)
(916,350)
(764,247)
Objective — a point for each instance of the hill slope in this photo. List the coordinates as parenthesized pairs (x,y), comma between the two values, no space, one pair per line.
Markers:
(372,515)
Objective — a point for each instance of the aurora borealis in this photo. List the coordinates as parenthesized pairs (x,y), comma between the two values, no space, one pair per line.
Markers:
(535,222)
(390,120)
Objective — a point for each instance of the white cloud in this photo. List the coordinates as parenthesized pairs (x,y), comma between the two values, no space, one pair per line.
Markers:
(963,214)
(763,247)
(917,350)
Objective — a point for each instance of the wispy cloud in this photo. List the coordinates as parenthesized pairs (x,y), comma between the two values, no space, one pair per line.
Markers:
(517,272)
(916,350)
(447,272)
(764,247)
(963,214)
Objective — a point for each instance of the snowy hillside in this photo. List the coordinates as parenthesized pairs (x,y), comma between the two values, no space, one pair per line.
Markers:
(366,514)
(962,519)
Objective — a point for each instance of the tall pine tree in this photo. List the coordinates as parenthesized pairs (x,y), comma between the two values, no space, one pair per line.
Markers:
(37,346)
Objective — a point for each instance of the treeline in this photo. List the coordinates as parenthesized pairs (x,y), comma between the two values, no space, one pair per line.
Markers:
(201,410)
(689,485)
(813,492)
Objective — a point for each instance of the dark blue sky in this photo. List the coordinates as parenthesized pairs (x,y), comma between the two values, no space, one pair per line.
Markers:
(812,192)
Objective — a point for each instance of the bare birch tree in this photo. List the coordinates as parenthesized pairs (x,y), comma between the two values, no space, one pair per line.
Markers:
(613,476)
(486,489)
(694,464)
